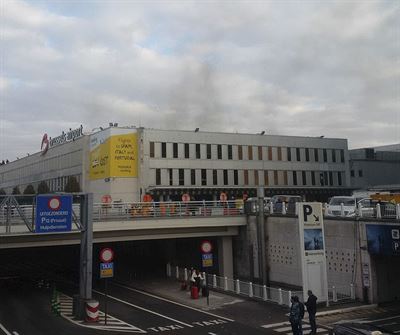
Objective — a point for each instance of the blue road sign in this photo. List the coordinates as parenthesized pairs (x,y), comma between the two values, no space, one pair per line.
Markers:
(53,213)
(207,260)
(106,270)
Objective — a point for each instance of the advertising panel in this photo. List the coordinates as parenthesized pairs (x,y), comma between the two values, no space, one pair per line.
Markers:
(113,153)
(383,239)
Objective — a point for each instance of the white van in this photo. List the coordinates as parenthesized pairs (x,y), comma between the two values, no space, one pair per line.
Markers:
(334,207)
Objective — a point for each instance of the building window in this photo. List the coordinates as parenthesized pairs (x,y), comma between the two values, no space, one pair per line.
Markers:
(339,178)
(270,153)
(193,177)
(158,177)
(351,173)
(307,155)
(229,151)
(321,179)
(198,151)
(289,154)
(164,150)
(298,154)
(225,177)
(250,152)
(313,178)
(342,155)
(219,151)
(266,178)
(152,149)
(256,181)
(260,153)
(285,178)
(360,173)
(181,177)
(276,180)
(215,177)
(333,155)
(294,178)
(304,177)
(203,177)
(187,150)
(326,180)
(240,152)
(175,150)
(208,151)
(325,155)
(279,153)
(171,177)
(235,177)
(316,155)
(330,178)
(246,177)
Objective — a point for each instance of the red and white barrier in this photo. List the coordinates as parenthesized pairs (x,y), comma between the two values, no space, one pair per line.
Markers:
(92,311)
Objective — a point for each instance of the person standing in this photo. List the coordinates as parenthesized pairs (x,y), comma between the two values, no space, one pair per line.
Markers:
(311,305)
(294,316)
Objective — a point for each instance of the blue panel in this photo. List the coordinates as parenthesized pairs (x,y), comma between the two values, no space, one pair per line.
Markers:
(383,239)
(53,213)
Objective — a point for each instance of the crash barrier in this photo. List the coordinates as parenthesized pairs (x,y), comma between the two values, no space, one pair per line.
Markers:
(255,291)
(55,302)
(92,311)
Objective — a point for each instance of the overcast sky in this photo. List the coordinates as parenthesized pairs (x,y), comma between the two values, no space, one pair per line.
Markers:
(287,67)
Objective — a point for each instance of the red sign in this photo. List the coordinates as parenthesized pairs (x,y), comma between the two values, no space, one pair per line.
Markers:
(106,199)
(206,247)
(147,198)
(223,197)
(45,144)
(106,255)
(185,197)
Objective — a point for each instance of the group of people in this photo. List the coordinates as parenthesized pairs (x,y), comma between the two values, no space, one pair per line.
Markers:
(296,314)
(196,278)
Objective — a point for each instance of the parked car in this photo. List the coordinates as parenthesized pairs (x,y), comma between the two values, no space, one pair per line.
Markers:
(289,200)
(334,207)
(357,328)
(251,205)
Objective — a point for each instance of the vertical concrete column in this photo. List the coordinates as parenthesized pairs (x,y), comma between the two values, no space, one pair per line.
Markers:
(225,256)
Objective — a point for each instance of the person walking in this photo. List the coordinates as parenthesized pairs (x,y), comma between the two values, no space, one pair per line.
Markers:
(294,315)
(311,305)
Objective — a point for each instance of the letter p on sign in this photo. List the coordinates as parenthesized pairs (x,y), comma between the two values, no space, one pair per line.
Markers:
(307,211)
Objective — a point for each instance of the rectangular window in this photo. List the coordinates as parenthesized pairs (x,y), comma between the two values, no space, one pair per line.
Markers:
(313,178)
(229,151)
(326,180)
(325,153)
(203,177)
(289,154)
(298,154)
(279,153)
(260,153)
(250,152)
(285,178)
(294,178)
(158,177)
(171,177)
(321,179)
(193,177)
(256,181)
(304,177)
(219,151)
(164,150)
(175,150)
(208,151)
(360,173)
(330,178)
(240,152)
(181,177)
(215,177)
(152,149)
(246,177)
(307,155)
(352,173)
(198,151)
(276,180)
(235,177)
(333,155)
(225,177)
(316,155)
(187,150)
(266,178)
(342,156)
(270,153)
(339,178)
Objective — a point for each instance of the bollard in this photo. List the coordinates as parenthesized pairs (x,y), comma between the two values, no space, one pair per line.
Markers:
(214,281)
(352,292)
(237,286)
(283,208)
(378,211)
(280,296)
(271,208)
(359,211)
(185,274)
(226,283)
(289,298)
(334,294)
(250,290)
(398,211)
(296,209)
(92,311)
(342,209)
(177,272)
(265,296)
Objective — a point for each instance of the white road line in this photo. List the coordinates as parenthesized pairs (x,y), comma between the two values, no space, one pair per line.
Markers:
(15,333)
(384,319)
(284,329)
(172,302)
(276,324)
(145,309)
(4,329)
(396,331)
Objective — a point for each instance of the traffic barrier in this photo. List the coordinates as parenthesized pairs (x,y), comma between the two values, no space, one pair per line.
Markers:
(92,311)
(55,302)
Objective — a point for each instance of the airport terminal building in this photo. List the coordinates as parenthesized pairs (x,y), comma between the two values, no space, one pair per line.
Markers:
(122,164)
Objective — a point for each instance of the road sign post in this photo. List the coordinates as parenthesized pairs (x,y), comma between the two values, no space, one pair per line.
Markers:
(106,271)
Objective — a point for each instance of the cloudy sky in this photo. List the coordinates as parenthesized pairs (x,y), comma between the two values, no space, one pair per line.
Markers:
(288,67)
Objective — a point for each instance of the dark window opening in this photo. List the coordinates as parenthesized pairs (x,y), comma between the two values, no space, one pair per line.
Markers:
(294,178)
(181,177)
(208,151)
(313,178)
(360,173)
(316,155)
(215,177)
(246,177)
(325,153)
(339,177)
(152,149)
(198,151)
(187,150)
(158,177)
(342,156)
(193,177)
(219,151)
(289,154)
(250,152)
(225,177)
(333,155)
(163,150)
(260,155)
(235,177)
(171,177)
(307,155)
(240,152)
(203,177)
(298,154)
(229,151)
(256,181)
(352,174)
(304,177)
(175,150)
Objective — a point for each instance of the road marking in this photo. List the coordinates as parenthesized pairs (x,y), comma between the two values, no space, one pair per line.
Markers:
(145,309)
(4,329)
(172,302)
(384,319)
(15,333)
(276,324)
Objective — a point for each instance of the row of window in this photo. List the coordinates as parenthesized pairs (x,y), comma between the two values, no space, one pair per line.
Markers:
(206,177)
(243,152)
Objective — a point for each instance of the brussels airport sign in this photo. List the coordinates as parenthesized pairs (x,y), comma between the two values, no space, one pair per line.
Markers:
(68,136)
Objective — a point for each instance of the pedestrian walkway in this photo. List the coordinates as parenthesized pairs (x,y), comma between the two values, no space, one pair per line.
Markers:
(113,324)
(285,328)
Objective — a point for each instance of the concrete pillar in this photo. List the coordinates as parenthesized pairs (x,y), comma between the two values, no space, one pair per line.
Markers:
(225,256)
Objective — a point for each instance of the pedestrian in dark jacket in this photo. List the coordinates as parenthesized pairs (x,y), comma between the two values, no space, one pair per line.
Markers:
(312,310)
(294,316)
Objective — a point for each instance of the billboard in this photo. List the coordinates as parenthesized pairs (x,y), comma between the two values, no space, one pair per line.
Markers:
(383,239)
(113,153)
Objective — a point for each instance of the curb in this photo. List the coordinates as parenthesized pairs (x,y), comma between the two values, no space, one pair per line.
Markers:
(344,310)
